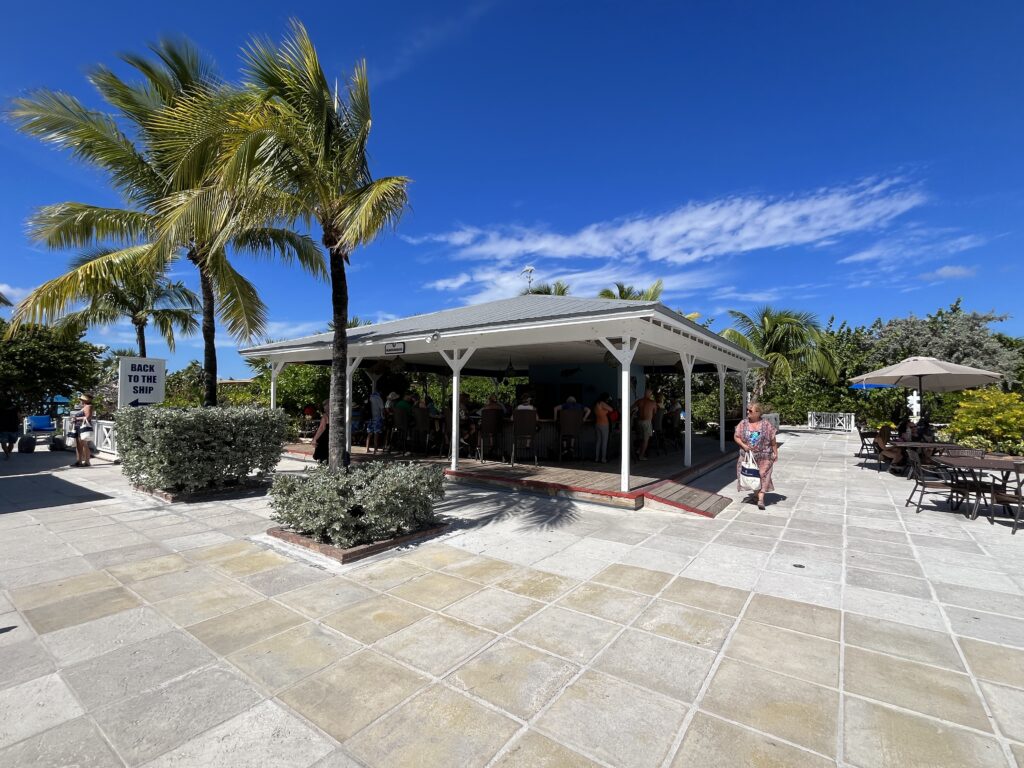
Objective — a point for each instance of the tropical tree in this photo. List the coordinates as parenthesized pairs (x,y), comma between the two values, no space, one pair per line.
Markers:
(557,288)
(629,293)
(292,136)
(4,301)
(159,222)
(785,339)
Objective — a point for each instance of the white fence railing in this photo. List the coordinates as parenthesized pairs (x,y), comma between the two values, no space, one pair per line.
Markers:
(838,422)
(104,436)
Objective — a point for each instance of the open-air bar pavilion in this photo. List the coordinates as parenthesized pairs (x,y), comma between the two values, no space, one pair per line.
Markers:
(563,344)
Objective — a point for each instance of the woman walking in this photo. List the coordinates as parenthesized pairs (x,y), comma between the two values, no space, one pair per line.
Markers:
(81,423)
(756,436)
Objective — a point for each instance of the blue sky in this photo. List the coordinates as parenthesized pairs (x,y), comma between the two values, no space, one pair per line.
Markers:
(855,159)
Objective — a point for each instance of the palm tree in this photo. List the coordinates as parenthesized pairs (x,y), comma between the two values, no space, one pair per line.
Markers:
(785,338)
(629,293)
(557,288)
(4,301)
(294,136)
(159,222)
(143,299)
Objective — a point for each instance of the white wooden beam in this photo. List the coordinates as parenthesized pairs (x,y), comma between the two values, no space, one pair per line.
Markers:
(456,359)
(688,360)
(351,365)
(722,371)
(275,369)
(624,353)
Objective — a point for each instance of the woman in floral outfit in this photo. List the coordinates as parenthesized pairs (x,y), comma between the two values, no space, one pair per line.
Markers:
(757,436)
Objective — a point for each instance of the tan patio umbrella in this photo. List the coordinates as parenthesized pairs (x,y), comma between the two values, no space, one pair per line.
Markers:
(931,373)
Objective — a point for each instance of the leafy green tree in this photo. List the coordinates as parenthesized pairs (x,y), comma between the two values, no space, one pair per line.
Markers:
(629,293)
(291,136)
(186,387)
(192,219)
(786,339)
(557,288)
(38,364)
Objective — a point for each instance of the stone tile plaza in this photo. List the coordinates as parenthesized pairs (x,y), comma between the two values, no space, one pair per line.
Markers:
(838,627)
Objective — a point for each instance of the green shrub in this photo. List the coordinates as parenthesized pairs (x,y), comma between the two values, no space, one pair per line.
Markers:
(192,449)
(370,502)
(991,415)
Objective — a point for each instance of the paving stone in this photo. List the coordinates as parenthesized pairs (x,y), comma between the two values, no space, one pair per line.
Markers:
(683,622)
(885,605)
(515,678)
(980,599)
(435,590)
(284,659)
(263,737)
(532,750)
(437,556)
(889,549)
(339,759)
(27,598)
(790,614)
(903,640)
(994,662)
(219,552)
(875,735)
(247,565)
(714,743)
(797,711)
(206,603)
(14,629)
(172,580)
(792,653)
(195,540)
(183,529)
(385,575)
(632,578)
(987,626)
(620,535)
(35,706)
(941,693)
(485,570)
(435,644)
(702,594)
(325,597)
(494,609)
(889,582)
(746,541)
(655,560)
(121,555)
(376,683)
(616,722)
(939,542)
(376,617)
(285,578)
(537,584)
(73,743)
(24,661)
(135,668)
(878,562)
(437,728)
(94,638)
(567,634)
(147,725)
(605,602)
(1007,707)
(674,669)
(79,609)
(232,631)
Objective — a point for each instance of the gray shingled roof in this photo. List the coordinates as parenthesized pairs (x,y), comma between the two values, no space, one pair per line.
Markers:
(520,309)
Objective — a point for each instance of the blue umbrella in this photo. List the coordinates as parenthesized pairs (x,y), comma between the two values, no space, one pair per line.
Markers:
(862,385)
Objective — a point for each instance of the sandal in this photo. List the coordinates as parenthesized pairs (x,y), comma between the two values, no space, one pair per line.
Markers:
(76,464)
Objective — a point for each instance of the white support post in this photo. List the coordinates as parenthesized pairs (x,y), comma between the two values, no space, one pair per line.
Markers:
(722,370)
(373,377)
(743,397)
(275,369)
(456,359)
(688,361)
(624,354)
(350,368)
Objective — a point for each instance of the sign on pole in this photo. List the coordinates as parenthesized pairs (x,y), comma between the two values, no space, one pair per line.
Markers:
(140,381)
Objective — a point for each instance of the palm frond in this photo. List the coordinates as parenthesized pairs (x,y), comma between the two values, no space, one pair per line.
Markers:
(77,225)
(367,210)
(238,302)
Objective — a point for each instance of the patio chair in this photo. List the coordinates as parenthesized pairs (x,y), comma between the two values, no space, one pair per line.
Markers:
(524,434)
(932,479)
(39,425)
(570,424)
(1009,497)
(421,427)
(975,487)
(445,449)
(490,433)
(401,429)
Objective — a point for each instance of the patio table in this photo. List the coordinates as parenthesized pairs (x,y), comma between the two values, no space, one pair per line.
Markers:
(972,468)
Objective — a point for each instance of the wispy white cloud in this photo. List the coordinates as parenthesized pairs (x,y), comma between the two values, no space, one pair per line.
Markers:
(288,329)
(429,38)
(914,245)
(949,272)
(451,283)
(700,230)
(13,293)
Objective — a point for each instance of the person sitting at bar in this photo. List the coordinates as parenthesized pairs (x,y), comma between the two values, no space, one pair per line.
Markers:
(570,404)
(526,404)
(493,405)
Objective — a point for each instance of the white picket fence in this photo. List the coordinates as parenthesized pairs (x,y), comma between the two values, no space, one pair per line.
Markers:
(837,422)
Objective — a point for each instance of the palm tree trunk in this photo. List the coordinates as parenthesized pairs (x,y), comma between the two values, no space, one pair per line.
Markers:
(339,351)
(140,338)
(209,331)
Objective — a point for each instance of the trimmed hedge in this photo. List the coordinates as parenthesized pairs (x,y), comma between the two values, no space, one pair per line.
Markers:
(194,449)
(371,502)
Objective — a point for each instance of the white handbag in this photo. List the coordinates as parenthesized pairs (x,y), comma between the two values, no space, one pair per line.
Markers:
(750,475)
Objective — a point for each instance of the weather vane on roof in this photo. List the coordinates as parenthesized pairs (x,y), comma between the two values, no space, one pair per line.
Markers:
(528,271)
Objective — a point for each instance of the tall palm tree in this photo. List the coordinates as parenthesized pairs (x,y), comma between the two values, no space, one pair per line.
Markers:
(159,222)
(785,338)
(629,293)
(294,136)
(141,298)
(4,301)
(557,288)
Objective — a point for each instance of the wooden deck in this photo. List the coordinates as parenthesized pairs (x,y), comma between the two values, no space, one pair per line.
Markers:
(659,483)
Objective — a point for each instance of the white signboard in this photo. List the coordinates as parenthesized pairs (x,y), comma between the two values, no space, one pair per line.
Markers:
(140,381)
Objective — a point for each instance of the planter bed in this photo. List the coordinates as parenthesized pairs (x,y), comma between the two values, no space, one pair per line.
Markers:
(244,490)
(360,551)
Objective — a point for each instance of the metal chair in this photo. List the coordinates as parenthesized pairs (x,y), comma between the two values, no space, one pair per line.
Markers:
(489,436)
(401,429)
(1010,497)
(421,428)
(931,479)
(570,424)
(524,434)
